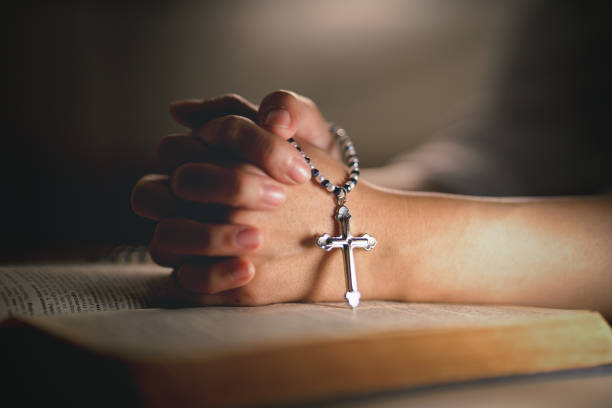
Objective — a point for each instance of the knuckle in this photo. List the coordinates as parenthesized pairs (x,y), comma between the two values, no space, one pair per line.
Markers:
(267,151)
(164,230)
(201,281)
(228,238)
(248,168)
(189,177)
(235,188)
(193,278)
(205,182)
(230,125)
(148,193)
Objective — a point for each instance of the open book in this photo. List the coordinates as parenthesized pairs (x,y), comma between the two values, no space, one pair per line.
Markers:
(90,334)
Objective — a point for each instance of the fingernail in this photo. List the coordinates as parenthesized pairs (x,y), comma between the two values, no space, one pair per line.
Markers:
(299,171)
(242,271)
(248,238)
(279,118)
(273,194)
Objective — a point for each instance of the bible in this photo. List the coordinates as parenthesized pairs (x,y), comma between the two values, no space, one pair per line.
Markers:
(95,334)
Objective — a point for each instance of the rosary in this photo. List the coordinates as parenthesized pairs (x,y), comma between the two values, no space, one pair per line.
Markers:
(345,240)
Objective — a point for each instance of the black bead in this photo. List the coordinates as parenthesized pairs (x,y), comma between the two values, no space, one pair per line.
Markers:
(307,159)
(290,140)
(298,148)
(325,183)
(354,180)
(315,172)
(355,171)
(337,190)
(350,156)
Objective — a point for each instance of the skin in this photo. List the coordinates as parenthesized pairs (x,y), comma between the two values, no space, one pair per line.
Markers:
(237,218)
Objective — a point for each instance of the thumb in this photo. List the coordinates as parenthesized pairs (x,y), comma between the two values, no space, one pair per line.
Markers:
(288,114)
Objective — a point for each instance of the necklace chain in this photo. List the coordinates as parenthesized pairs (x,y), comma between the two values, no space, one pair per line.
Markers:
(349,157)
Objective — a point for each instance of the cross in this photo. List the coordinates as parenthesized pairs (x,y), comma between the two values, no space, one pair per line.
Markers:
(347,243)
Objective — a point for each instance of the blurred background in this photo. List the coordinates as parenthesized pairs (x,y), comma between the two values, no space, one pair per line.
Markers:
(91,81)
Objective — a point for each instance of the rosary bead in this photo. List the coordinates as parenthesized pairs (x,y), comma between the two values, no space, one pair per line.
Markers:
(350,159)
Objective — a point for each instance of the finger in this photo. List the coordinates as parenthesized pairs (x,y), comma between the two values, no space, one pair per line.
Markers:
(165,258)
(205,182)
(151,197)
(174,295)
(245,139)
(289,114)
(180,236)
(175,150)
(194,113)
(214,275)
(280,112)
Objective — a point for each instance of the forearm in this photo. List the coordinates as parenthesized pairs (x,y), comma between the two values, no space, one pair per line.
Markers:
(553,252)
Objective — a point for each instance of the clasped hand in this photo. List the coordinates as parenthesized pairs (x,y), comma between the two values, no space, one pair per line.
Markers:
(236,215)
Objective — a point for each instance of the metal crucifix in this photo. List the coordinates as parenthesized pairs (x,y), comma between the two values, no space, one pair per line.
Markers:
(347,243)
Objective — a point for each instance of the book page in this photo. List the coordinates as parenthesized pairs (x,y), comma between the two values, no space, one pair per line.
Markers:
(162,333)
(80,288)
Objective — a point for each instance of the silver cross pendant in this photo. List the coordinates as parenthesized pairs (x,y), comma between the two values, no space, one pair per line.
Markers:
(347,243)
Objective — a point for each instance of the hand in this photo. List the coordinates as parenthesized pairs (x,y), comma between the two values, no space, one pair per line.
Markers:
(283,113)
(243,256)
(210,190)
(214,159)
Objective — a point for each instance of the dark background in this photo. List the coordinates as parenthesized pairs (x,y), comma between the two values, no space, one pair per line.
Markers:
(89,84)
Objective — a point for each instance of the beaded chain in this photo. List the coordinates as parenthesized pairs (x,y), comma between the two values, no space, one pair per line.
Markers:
(350,159)
(344,241)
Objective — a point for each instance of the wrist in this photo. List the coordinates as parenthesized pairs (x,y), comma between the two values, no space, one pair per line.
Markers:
(417,234)
(389,217)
